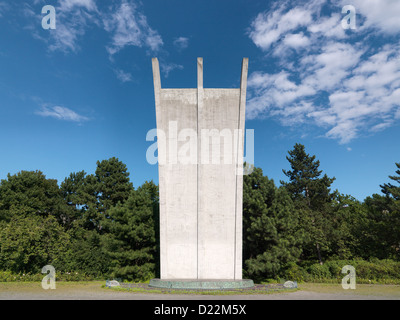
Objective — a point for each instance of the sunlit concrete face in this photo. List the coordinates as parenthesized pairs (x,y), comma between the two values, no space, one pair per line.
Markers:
(201,200)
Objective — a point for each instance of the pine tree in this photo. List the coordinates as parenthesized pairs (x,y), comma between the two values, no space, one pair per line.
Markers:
(30,193)
(389,215)
(272,238)
(312,197)
(392,190)
(94,194)
(113,183)
(131,236)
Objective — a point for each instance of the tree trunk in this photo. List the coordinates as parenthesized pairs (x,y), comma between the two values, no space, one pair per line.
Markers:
(319,255)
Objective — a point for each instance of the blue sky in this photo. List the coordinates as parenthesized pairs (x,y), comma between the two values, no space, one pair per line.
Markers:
(84,92)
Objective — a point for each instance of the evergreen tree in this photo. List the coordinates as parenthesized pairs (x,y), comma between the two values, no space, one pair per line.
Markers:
(31,193)
(348,229)
(80,192)
(312,197)
(93,195)
(393,191)
(384,220)
(131,239)
(272,238)
(113,183)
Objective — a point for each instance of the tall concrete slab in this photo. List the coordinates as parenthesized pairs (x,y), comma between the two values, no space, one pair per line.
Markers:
(200,200)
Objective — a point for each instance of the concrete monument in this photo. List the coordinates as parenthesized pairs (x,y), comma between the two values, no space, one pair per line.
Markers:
(201,200)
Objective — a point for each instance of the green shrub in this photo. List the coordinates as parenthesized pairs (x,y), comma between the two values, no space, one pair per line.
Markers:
(375,271)
(294,272)
(319,272)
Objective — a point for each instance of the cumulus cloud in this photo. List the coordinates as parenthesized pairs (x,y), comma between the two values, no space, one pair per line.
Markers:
(382,16)
(342,82)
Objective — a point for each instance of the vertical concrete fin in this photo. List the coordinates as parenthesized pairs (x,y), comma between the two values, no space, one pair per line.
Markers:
(200,97)
(243,91)
(200,73)
(156,77)
(157,86)
(239,172)
(161,173)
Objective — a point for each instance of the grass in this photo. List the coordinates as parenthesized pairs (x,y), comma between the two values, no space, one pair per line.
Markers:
(143,288)
(61,285)
(381,290)
(83,287)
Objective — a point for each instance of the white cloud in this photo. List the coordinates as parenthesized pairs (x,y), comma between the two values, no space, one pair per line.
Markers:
(397,114)
(61,113)
(68,5)
(344,86)
(268,28)
(130,28)
(296,40)
(3,8)
(166,68)
(326,69)
(125,23)
(382,15)
(73,18)
(328,27)
(181,43)
(123,76)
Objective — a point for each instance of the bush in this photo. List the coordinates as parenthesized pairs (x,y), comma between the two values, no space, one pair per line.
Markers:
(376,271)
(319,272)
(294,272)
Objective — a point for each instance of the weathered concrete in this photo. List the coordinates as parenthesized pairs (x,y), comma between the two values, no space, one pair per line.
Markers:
(213,284)
(201,200)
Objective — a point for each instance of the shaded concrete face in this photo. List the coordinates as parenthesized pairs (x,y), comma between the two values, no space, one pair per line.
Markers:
(201,201)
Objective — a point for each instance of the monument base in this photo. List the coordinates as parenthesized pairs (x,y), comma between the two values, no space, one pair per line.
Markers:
(204,284)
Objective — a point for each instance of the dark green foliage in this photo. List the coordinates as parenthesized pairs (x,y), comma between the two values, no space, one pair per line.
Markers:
(87,254)
(131,235)
(383,225)
(113,183)
(312,198)
(305,185)
(29,193)
(393,190)
(271,235)
(374,271)
(74,226)
(28,243)
(98,226)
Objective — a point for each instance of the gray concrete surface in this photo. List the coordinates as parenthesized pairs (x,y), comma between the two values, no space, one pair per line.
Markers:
(200,194)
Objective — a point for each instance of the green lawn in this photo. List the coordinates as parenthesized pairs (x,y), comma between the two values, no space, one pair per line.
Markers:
(361,289)
(98,287)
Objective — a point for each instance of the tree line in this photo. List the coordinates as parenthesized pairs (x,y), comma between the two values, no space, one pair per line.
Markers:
(100,225)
